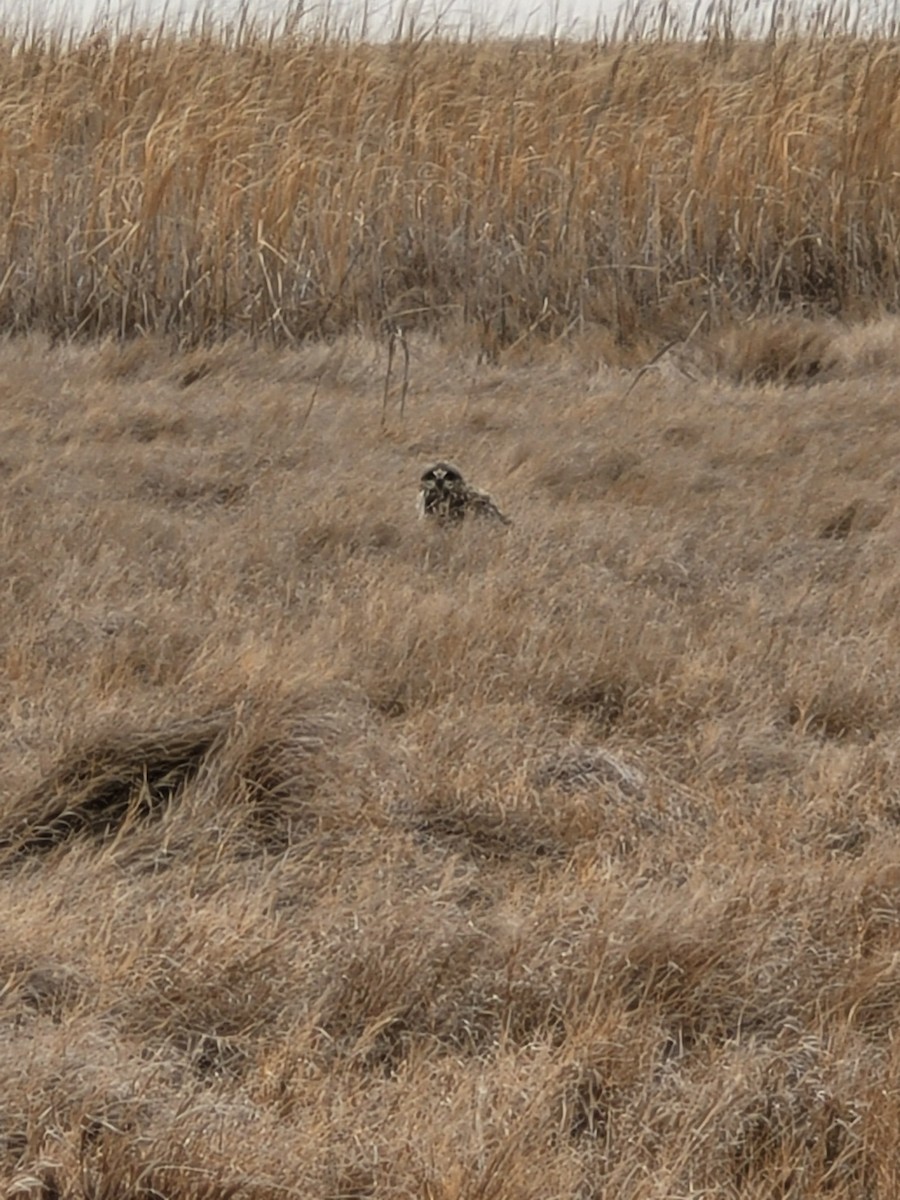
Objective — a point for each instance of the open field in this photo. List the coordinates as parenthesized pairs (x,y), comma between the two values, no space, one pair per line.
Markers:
(282,187)
(343,856)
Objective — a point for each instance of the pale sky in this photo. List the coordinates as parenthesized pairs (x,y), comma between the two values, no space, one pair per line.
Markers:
(509,17)
(380,18)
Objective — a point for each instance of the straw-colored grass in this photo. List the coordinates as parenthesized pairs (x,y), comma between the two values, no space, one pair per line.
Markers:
(282,186)
(346,856)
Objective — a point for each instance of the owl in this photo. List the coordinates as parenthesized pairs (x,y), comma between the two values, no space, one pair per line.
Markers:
(445,495)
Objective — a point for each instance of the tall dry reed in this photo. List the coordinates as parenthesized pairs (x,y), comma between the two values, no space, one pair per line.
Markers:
(285,186)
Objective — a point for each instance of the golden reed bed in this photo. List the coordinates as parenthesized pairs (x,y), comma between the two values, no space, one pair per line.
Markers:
(286,186)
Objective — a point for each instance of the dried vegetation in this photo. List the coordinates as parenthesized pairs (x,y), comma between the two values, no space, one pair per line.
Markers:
(282,186)
(341,855)
(346,856)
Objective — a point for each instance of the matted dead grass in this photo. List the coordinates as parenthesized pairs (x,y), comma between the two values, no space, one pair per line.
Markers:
(342,855)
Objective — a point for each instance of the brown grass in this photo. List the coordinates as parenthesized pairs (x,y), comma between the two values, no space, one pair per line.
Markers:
(344,856)
(285,185)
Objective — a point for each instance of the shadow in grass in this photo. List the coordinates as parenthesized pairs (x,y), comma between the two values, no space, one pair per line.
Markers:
(603,701)
(485,836)
(124,776)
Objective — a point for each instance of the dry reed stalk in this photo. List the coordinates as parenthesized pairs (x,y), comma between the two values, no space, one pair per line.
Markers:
(395,335)
(288,187)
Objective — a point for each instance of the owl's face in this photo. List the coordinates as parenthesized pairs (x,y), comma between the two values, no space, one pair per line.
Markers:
(442,493)
(441,479)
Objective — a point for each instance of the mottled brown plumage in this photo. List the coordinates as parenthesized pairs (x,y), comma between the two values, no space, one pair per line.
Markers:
(445,496)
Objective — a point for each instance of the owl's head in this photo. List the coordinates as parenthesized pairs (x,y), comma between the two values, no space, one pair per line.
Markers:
(441,478)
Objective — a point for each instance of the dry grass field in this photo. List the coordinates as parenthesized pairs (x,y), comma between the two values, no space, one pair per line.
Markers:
(343,856)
